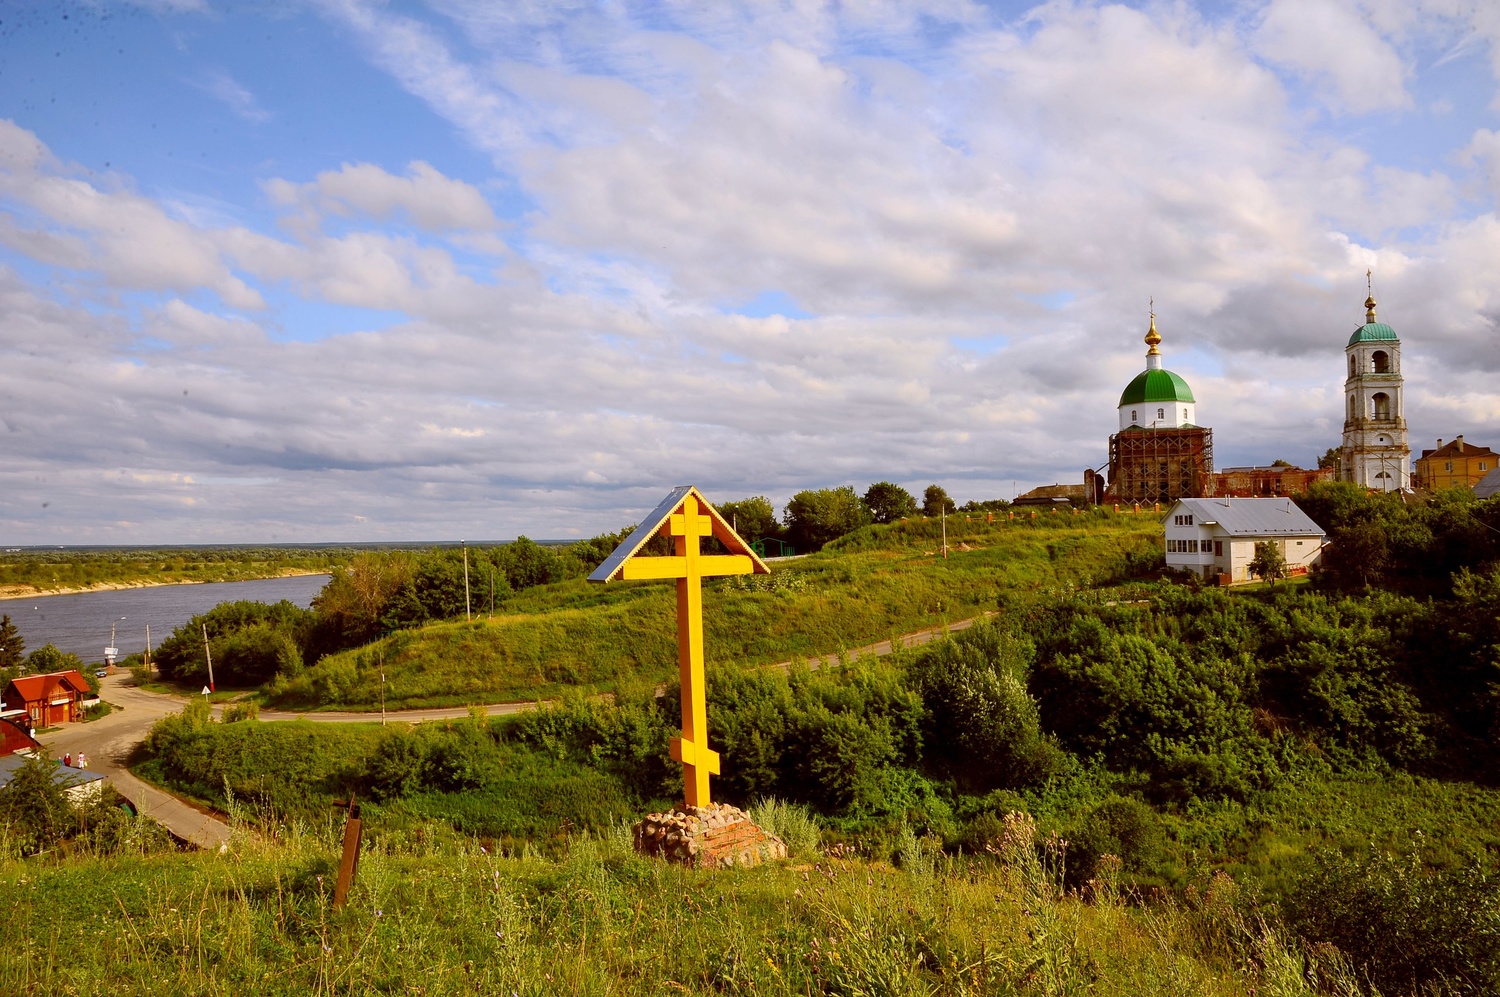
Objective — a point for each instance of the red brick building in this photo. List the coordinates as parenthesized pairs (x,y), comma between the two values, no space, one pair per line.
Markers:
(1268,481)
(49,699)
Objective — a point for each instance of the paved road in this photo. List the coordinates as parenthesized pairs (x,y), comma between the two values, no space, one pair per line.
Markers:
(109,741)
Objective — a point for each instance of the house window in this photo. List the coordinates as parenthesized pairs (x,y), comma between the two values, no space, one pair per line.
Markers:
(1135,416)
(1184,415)
(1161,413)
(1299,543)
(1483,466)
(1218,548)
(1448,466)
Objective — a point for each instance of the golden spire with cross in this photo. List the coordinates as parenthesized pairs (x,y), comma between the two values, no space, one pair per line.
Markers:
(1369,301)
(687,518)
(1153,338)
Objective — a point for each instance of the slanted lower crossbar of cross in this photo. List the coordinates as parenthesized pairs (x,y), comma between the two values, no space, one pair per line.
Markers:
(689,567)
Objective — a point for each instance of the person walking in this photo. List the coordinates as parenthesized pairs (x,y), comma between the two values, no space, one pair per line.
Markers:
(68,760)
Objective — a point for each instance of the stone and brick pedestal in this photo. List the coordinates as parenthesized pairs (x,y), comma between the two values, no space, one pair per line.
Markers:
(713,837)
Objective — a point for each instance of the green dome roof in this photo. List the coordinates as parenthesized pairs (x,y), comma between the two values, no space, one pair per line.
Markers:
(1373,332)
(1156,386)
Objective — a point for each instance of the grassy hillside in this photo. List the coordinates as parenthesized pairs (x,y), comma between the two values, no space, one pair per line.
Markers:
(435,914)
(870,585)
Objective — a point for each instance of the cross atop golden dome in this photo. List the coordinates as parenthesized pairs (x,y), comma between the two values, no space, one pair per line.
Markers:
(1153,338)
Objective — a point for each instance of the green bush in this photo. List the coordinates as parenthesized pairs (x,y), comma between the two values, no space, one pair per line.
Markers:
(982,724)
(34,810)
(250,642)
(1125,828)
(1405,927)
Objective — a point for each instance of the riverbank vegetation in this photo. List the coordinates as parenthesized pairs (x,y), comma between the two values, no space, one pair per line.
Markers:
(42,571)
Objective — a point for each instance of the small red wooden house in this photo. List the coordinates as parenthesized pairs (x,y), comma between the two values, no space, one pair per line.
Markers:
(14,737)
(48,699)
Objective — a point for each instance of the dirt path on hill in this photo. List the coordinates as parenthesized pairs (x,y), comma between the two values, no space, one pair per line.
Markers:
(884,647)
(110,740)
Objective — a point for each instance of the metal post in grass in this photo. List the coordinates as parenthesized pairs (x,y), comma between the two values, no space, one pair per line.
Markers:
(686,517)
(349,861)
(209,655)
(468,614)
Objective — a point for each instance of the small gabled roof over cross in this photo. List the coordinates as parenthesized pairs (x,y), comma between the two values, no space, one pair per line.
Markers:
(614,566)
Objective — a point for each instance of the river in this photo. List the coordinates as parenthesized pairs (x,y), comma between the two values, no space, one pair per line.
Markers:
(79,623)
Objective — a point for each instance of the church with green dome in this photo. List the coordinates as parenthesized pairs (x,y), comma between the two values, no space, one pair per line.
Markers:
(1160,452)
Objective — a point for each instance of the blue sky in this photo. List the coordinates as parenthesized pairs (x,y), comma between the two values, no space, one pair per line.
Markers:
(350,270)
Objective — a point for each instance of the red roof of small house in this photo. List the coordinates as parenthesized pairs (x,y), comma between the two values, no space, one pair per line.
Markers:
(13,738)
(43,688)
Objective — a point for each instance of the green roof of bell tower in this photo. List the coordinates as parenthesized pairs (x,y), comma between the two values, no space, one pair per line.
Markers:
(1373,332)
(1156,386)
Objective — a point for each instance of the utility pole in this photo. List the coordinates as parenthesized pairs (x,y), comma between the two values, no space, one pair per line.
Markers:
(468,614)
(148,650)
(945,527)
(209,655)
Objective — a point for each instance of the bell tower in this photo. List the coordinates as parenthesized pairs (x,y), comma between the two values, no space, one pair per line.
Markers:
(1375,453)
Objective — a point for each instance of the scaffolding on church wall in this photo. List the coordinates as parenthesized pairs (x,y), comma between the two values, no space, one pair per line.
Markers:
(1160,465)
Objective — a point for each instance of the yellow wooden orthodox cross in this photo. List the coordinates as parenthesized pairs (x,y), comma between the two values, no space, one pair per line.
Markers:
(687,518)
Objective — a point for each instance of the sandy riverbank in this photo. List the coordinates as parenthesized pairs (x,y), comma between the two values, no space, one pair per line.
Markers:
(30,592)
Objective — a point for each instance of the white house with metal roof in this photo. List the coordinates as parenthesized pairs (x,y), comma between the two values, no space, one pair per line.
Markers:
(1214,537)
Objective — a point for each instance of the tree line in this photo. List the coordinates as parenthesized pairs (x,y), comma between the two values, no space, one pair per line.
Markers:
(816,517)
(1393,541)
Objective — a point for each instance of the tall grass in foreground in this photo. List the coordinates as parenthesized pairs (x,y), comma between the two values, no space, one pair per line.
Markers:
(436,914)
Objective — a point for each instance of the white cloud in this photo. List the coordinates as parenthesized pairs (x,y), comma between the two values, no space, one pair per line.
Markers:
(682,160)
(124,236)
(226,89)
(1333,45)
(432,201)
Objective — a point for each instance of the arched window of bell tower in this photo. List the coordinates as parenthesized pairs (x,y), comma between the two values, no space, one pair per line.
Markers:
(1381,362)
(1380,405)
(1353,366)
